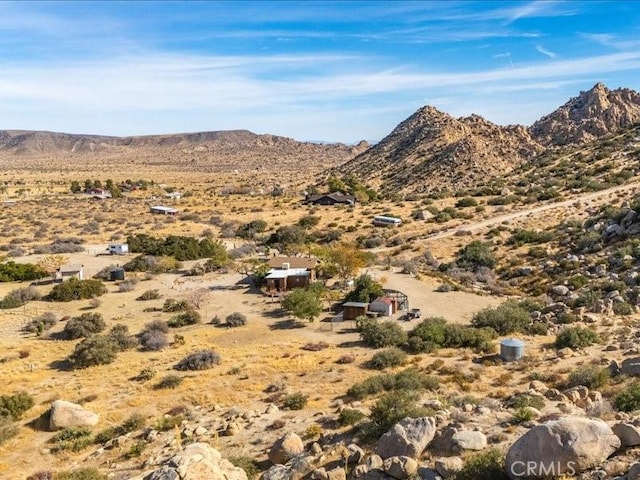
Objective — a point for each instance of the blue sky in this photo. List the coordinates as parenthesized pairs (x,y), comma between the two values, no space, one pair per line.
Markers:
(333,71)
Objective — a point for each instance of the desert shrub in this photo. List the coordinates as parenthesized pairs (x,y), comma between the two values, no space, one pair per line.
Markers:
(126,286)
(349,416)
(180,248)
(390,357)
(250,230)
(154,336)
(134,422)
(149,263)
(145,374)
(20,272)
(188,317)
(169,381)
(487,465)
(8,429)
(19,296)
(41,475)
(248,464)
(202,360)
(308,221)
(94,350)
(475,255)
(523,400)
(434,332)
(73,439)
(590,376)
(58,247)
(628,400)
(84,325)
(393,407)
(41,323)
(14,406)
(521,237)
(149,295)
(85,473)
(294,401)
(74,289)
(235,319)
(622,308)
(120,336)
(379,335)
(409,379)
(576,337)
(504,319)
(173,305)
(466,202)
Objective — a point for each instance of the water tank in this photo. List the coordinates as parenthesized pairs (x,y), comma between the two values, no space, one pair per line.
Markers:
(116,274)
(511,349)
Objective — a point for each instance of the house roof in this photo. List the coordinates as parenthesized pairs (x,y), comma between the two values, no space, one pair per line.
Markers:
(294,262)
(70,268)
(335,196)
(162,208)
(355,304)
(292,272)
(387,300)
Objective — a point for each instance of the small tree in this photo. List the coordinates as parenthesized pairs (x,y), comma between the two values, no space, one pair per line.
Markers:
(52,263)
(302,303)
(84,325)
(95,350)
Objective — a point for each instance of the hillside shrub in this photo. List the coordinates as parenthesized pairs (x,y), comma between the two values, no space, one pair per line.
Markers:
(14,406)
(393,407)
(434,332)
(629,399)
(409,379)
(74,289)
(475,255)
(178,247)
(84,325)
(248,464)
(85,473)
(170,381)
(131,424)
(19,297)
(20,272)
(390,357)
(202,360)
(94,350)
(489,465)
(73,439)
(41,323)
(8,429)
(522,236)
(576,337)
(152,264)
(149,295)
(380,335)
(235,319)
(173,305)
(119,335)
(350,416)
(294,401)
(466,202)
(154,336)
(188,317)
(590,376)
(504,319)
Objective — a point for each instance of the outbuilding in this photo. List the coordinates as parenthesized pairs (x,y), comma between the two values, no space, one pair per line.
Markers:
(162,210)
(385,306)
(353,310)
(65,272)
(118,248)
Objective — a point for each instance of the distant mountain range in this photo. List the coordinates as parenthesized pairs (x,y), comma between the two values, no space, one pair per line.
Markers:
(432,150)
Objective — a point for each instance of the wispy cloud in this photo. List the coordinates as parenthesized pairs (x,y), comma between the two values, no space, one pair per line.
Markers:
(612,40)
(545,52)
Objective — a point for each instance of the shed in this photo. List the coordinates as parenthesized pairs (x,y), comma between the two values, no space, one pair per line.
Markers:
(65,272)
(161,209)
(385,306)
(511,349)
(353,310)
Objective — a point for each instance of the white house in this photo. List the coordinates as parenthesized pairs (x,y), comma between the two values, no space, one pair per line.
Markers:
(65,272)
(161,209)
(385,306)
(118,248)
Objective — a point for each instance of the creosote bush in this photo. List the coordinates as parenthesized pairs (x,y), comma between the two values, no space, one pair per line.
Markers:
(628,400)
(202,360)
(149,295)
(487,465)
(576,338)
(14,406)
(390,357)
(84,325)
(183,319)
(379,335)
(294,401)
(409,379)
(94,350)
(169,381)
(236,319)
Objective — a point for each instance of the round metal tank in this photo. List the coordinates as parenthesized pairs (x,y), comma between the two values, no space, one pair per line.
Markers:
(511,349)
(116,274)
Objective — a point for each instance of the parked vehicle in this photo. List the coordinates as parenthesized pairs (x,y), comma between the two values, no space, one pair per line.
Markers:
(414,313)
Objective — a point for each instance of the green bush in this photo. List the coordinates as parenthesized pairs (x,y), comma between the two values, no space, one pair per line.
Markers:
(86,473)
(74,289)
(8,429)
(173,305)
(134,422)
(393,407)
(180,248)
(14,406)
(169,381)
(235,319)
(629,399)
(380,335)
(434,332)
(475,255)
(523,400)
(350,416)
(576,337)
(590,376)
(19,296)
(409,379)
(201,360)
(521,237)
(504,319)
(120,336)
(466,202)
(390,357)
(487,465)
(84,326)
(20,272)
(294,401)
(248,464)
(74,439)
(149,263)
(94,350)
(522,415)
(188,317)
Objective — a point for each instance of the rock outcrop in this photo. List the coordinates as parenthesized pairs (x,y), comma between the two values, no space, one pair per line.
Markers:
(286,448)
(407,438)
(567,446)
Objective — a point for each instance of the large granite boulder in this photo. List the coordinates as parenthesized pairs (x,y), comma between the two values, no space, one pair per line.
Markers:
(196,462)
(568,445)
(286,448)
(407,438)
(66,414)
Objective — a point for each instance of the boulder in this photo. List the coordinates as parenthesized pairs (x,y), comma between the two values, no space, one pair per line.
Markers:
(634,472)
(568,445)
(469,440)
(407,438)
(277,472)
(66,414)
(561,290)
(198,461)
(337,473)
(630,367)
(286,448)
(447,466)
(428,474)
(628,433)
(400,467)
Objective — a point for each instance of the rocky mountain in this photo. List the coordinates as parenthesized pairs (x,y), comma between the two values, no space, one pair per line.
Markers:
(590,115)
(433,150)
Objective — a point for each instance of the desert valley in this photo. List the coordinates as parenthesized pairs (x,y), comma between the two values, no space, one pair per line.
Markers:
(459,301)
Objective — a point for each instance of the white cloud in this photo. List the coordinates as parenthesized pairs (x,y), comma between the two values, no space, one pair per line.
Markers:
(545,52)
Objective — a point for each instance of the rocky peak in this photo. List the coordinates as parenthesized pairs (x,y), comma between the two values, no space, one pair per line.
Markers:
(592,114)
